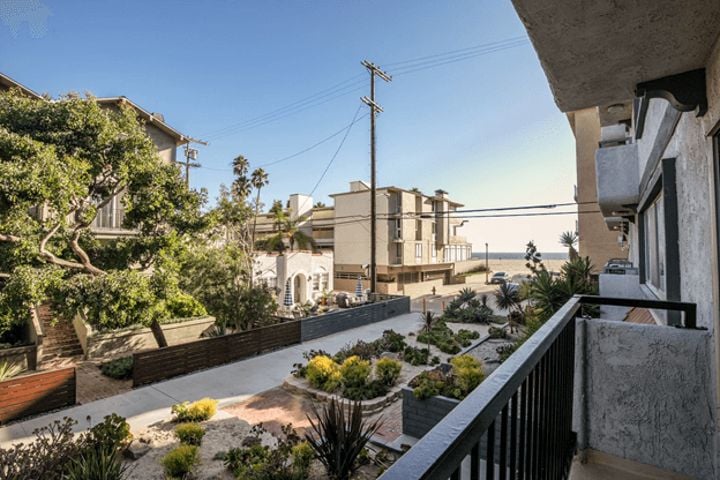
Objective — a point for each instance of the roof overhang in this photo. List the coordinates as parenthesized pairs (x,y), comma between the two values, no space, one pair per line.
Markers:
(155,120)
(8,83)
(596,53)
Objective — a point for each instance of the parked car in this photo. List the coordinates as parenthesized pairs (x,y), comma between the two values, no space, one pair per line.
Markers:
(499,278)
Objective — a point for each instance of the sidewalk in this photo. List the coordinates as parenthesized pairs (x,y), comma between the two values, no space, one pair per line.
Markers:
(229,384)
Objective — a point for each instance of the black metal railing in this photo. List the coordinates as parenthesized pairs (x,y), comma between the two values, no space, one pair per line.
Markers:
(518,423)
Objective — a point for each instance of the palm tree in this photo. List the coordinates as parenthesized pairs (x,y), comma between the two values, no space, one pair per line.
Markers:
(569,239)
(319,205)
(429,320)
(278,213)
(506,297)
(293,234)
(258,179)
(241,185)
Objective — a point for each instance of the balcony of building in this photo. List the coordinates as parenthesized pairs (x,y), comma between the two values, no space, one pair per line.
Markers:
(583,398)
(616,169)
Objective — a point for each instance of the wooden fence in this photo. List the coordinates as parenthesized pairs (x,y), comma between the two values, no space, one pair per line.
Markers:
(163,363)
(168,362)
(36,393)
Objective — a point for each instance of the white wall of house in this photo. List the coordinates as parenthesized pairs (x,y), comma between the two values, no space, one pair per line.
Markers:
(309,274)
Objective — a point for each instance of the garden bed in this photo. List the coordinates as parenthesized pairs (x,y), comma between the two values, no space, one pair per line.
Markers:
(133,339)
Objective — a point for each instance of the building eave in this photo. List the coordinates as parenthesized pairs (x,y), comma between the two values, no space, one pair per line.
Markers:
(180,138)
(598,54)
(10,83)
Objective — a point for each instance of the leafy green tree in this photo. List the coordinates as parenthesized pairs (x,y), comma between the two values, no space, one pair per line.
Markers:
(60,162)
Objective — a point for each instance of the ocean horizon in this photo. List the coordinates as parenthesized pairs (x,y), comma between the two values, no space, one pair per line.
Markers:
(518,255)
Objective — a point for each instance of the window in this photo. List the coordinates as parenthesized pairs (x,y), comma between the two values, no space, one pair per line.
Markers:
(418,229)
(418,251)
(316,282)
(398,229)
(324,281)
(658,229)
(654,224)
(398,253)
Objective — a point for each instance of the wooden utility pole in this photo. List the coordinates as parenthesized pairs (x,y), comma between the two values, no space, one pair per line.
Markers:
(374,109)
(191,155)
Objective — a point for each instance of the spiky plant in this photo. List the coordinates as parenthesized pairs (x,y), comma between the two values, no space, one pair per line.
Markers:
(506,297)
(338,434)
(466,294)
(429,320)
(9,370)
(569,239)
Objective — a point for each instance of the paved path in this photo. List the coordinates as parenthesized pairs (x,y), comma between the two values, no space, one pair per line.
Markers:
(229,383)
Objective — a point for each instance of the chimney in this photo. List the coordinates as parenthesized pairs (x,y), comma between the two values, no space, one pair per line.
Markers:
(158,116)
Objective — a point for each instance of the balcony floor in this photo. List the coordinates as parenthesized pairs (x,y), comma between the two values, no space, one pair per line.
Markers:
(602,466)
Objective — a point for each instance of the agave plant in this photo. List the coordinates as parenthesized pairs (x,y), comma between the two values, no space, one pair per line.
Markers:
(466,294)
(97,463)
(507,298)
(9,370)
(338,434)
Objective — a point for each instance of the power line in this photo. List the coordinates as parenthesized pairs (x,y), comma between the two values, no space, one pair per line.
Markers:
(352,84)
(342,142)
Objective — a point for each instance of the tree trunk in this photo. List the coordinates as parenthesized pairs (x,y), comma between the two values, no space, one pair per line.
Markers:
(158,334)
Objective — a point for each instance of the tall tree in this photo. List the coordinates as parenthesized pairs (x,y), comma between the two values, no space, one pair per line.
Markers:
(62,161)
(259,179)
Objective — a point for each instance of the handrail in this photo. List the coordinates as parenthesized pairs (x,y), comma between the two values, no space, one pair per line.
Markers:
(545,355)
(437,454)
(689,309)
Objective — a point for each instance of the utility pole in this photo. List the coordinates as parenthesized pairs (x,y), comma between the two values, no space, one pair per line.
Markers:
(374,70)
(191,154)
(487,265)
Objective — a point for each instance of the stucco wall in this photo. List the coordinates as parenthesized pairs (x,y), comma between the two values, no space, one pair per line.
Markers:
(596,241)
(649,396)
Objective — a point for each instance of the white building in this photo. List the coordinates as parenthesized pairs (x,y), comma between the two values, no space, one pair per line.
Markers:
(307,274)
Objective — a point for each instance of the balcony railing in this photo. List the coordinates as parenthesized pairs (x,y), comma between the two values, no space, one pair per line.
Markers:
(518,423)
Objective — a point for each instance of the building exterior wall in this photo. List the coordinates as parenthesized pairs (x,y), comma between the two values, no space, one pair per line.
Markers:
(314,269)
(595,239)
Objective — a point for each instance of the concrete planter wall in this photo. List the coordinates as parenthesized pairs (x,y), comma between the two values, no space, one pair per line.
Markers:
(133,339)
(345,319)
(420,416)
(25,356)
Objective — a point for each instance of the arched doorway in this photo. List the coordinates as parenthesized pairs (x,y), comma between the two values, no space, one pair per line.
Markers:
(300,289)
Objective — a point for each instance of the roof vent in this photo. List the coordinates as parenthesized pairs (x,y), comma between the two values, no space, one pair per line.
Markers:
(158,116)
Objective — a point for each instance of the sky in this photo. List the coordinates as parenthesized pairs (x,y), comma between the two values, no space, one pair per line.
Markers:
(485,128)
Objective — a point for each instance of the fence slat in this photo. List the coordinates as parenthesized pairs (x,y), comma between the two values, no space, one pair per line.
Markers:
(37,393)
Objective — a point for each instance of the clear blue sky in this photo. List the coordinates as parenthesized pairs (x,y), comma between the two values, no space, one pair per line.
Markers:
(484,129)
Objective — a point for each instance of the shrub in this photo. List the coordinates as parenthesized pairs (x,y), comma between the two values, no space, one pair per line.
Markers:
(198,411)
(190,433)
(496,332)
(337,435)
(387,371)
(288,460)
(119,369)
(468,373)
(116,300)
(416,356)
(393,341)
(97,464)
(428,384)
(180,461)
(362,349)
(444,339)
(355,372)
(112,433)
(182,305)
(57,453)
(322,372)
(25,288)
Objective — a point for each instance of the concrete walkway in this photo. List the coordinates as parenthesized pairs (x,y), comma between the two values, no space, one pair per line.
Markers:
(229,383)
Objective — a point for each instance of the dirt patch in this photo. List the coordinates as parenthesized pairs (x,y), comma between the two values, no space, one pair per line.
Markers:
(274,408)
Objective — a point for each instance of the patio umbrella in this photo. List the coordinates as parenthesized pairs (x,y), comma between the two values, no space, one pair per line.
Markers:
(359,288)
(288,300)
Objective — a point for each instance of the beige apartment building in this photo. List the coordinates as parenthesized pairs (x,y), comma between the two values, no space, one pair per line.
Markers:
(418,244)
(109,219)
(597,239)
